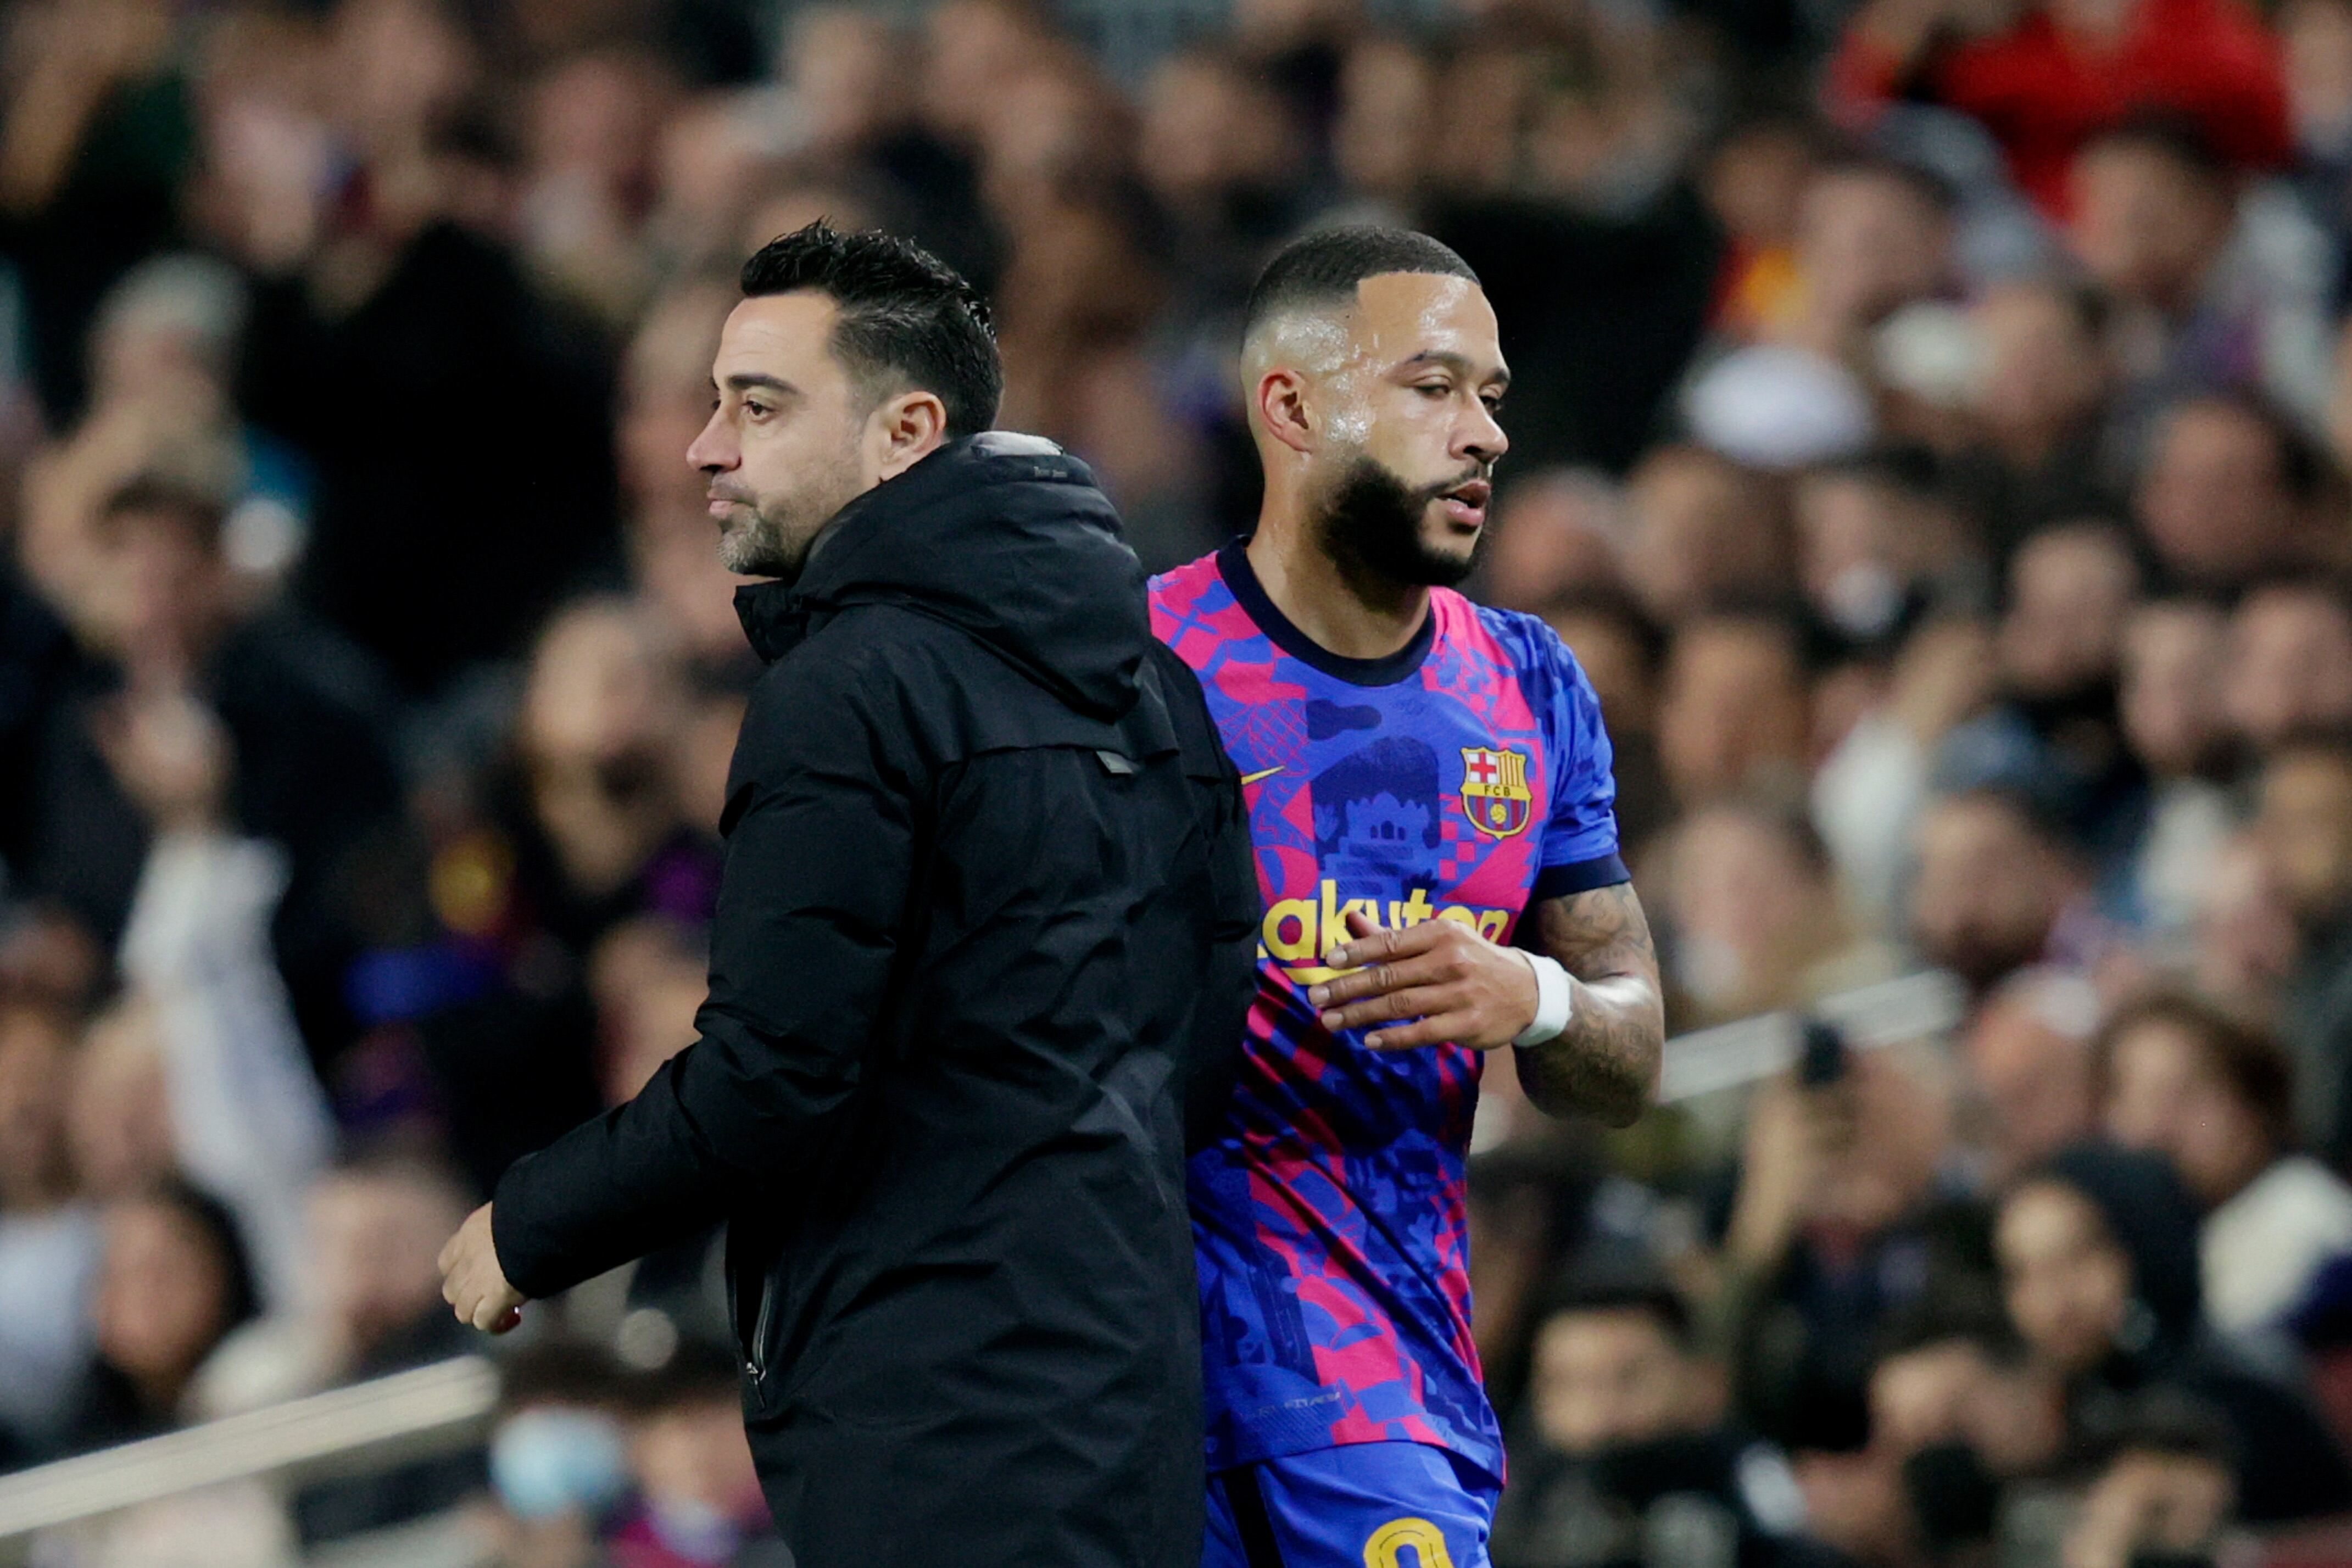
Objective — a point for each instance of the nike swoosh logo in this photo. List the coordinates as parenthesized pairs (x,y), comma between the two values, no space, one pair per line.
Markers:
(1254,778)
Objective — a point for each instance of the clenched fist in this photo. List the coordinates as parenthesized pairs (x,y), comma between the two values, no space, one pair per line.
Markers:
(473,1283)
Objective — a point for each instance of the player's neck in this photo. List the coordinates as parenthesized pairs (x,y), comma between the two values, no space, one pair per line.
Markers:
(1344,612)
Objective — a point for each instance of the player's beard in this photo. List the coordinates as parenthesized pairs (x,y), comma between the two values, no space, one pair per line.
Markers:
(1371,526)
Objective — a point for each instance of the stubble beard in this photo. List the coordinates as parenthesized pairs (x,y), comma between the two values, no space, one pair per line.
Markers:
(760,544)
(771,535)
(1372,525)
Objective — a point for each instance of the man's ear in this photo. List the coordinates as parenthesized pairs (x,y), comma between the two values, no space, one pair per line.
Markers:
(1282,396)
(907,427)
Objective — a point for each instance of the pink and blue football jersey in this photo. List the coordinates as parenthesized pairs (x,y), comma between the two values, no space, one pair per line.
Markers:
(1463,778)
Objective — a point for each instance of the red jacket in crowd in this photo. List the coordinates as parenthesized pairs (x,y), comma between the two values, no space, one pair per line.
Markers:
(2043,93)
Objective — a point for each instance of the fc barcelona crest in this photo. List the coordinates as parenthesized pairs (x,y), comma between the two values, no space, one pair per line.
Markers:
(1495,793)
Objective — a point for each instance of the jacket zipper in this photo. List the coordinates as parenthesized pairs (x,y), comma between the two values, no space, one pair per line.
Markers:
(756,1363)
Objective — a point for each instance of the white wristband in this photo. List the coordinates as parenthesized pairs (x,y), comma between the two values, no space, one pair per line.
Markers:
(1555,999)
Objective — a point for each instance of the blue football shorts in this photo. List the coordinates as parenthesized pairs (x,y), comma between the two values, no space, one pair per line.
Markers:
(1364,1505)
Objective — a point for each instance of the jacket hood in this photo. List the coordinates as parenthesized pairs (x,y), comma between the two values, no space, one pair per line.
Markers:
(1003,535)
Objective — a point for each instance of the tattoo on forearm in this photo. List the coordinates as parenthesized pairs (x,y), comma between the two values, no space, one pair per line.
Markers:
(1606,1063)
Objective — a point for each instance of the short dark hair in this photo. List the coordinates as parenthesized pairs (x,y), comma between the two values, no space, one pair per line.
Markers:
(2181,139)
(240,1295)
(1580,1290)
(2089,304)
(908,319)
(1905,467)
(1619,608)
(2028,798)
(1965,1308)
(2255,1068)
(1932,189)
(1324,269)
(560,1371)
(2166,1419)
(696,1372)
(2305,471)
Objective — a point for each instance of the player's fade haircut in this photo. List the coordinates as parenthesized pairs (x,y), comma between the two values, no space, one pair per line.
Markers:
(908,320)
(1322,270)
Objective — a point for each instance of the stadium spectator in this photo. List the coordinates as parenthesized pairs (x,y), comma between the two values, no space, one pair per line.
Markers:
(2304,824)
(558,1458)
(94,143)
(1870,787)
(2098,1258)
(300,756)
(1380,137)
(405,457)
(50,1244)
(2217,1099)
(664,398)
(1871,542)
(2053,735)
(1620,1448)
(588,180)
(199,1068)
(2059,73)
(2163,1488)
(1834,1230)
(1705,534)
(2028,1053)
(1753,181)
(1957,1412)
(2039,446)
(374,1229)
(1732,710)
(1621,653)
(1752,917)
(2290,664)
(1557,536)
(697,1499)
(1871,236)
(1999,887)
(2229,493)
(173,1281)
(2171,707)
(2246,942)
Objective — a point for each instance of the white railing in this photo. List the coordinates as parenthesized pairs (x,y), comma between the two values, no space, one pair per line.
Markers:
(447,1405)
(1924,1006)
(379,1422)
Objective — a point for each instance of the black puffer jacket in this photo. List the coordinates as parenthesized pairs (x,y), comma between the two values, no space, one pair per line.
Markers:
(987,882)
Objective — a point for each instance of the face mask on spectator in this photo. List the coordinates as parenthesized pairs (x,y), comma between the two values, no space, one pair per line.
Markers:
(552,1460)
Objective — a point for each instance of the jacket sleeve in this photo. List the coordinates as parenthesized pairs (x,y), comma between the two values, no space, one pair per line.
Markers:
(1228,978)
(821,830)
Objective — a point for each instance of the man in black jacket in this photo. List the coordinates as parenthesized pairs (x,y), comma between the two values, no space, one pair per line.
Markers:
(986,882)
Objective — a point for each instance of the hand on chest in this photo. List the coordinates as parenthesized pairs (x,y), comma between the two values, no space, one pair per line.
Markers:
(1404,809)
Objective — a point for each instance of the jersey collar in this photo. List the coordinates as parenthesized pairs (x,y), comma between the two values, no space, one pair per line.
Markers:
(1234,566)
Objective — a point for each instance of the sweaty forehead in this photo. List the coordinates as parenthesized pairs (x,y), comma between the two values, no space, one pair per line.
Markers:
(1400,315)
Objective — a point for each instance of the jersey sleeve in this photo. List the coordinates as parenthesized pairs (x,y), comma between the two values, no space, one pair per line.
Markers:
(1580,836)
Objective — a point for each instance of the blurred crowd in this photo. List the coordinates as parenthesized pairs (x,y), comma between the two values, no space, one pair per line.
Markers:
(1930,429)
